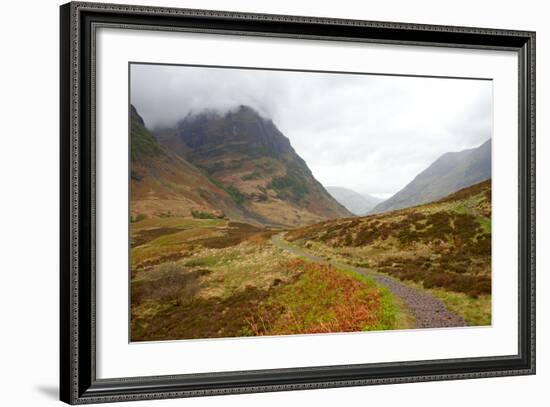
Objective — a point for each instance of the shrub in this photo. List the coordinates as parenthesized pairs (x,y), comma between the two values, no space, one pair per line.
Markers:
(137,218)
(291,185)
(135,176)
(174,284)
(236,195)
(253,175)
(203,215)
(453,272)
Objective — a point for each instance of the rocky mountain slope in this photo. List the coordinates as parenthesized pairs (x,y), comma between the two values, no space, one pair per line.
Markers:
(448,174)
(247,156)
(237,164)
(164,184)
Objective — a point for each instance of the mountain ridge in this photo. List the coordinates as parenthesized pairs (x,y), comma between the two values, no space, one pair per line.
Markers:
(164,184)
(451,172)
(248,158)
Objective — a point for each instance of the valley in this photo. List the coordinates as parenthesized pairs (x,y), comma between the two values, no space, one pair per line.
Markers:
(427,266)
(194,278)
(232,235)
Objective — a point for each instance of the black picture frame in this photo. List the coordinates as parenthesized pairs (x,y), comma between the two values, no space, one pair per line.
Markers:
(78,382)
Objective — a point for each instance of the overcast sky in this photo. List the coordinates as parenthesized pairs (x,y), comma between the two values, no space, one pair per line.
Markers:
(369,133)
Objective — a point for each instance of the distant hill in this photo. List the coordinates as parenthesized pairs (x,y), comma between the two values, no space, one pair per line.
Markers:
(449,173)
(356,203)
(238,163)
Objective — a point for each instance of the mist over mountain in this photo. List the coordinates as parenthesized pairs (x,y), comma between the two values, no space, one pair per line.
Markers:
(356,203)
(343,125)
(238,157)
(449,173)
(162,183)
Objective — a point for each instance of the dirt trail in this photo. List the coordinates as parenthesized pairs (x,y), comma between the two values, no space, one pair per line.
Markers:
(428,311)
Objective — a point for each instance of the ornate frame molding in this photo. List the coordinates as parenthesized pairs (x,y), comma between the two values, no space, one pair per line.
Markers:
(77,247)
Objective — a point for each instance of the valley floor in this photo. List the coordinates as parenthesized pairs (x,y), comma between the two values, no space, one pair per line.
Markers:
(207,278)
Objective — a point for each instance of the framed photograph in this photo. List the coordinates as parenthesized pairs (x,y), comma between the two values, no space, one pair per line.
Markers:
(255,203)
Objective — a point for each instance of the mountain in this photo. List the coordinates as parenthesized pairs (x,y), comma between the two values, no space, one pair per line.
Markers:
(237,163)
(246,155)
(356,203)
(164,184)
(448,174)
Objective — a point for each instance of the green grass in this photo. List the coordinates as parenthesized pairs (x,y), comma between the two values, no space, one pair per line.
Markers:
(178,238)
(142,142)
(391,315)
(172,245)
(203,262)
(176,222)
(475,311)
(485,224)
(236,195)
(460,208)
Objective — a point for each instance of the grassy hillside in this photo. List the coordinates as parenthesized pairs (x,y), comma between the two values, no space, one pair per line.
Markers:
(209,219)
(202,261)
(205,278)
(250,158)
(163,184)
(208,277)
(444,246)
(143,145)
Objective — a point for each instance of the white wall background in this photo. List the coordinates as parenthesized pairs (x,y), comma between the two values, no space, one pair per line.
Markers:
(29,163)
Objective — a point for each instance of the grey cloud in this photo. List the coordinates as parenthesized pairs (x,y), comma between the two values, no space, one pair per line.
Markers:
(370,133)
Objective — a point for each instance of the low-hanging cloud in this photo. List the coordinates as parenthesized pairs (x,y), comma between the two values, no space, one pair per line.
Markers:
(370,133)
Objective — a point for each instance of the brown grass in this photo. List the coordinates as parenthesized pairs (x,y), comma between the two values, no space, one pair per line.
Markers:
(146,235)
(234,234)
(171,283)
(316,299)
(322,300)
(200,318)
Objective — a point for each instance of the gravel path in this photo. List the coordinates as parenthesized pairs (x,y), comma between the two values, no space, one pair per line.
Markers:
(428,311)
